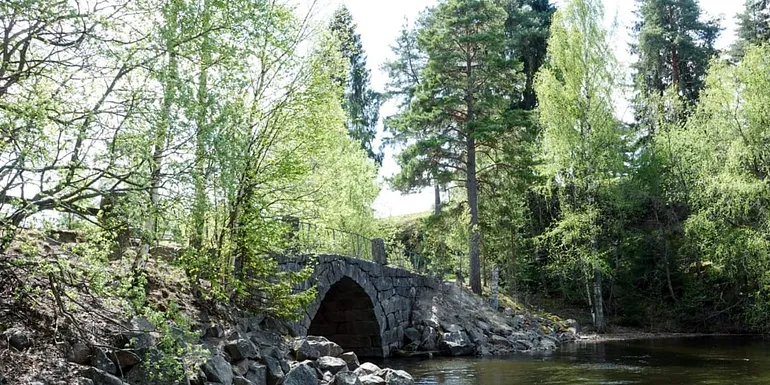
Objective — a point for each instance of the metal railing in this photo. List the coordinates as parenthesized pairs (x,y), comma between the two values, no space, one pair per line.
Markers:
(309,238)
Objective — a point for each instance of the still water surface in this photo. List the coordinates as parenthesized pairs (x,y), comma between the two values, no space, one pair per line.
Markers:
(685,361)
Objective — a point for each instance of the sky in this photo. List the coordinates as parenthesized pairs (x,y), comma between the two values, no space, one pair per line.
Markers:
(379,22)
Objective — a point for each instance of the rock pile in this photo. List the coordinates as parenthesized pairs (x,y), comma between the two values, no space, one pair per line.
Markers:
(455,322)
(243,356)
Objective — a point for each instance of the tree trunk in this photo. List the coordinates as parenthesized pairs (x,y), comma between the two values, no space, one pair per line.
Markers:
(474,246)
(674,66)
(436,198)
(474,251)
(599,323)
(664,238)
(590,299)
(598,297)
(199,180)
(515,265)
(668,271)
(169,94)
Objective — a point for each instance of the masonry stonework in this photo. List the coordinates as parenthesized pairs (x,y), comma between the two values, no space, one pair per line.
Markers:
(363,306)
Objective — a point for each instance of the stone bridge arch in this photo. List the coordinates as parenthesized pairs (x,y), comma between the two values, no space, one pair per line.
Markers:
(361,305)
(346,315)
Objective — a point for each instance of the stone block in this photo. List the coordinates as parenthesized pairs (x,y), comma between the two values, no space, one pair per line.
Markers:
(392,323)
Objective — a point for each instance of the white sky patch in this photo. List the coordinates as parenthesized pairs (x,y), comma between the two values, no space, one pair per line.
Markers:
(379,22)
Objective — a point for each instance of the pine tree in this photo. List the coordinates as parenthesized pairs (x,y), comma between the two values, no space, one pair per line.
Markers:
(526,30)
(361,103)
(463,93)
(674,46)
(753,25)
(420,160)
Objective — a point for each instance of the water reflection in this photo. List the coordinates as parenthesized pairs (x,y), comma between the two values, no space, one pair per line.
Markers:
(687,361)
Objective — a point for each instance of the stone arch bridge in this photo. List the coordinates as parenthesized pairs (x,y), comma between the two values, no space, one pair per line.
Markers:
(363,306)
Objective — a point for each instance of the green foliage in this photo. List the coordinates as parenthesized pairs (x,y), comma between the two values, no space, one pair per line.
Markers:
(361,103)
(458,84)
(674,46)
(527,32)
(584,145)
(437,243)
(753,26)
(206,122)
(728,138)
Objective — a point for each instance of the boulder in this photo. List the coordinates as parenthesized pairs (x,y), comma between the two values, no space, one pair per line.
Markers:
(101,361)
(79,354)
(275,372)
(100,377)
(478,338)
(324,346)
(351,359)
(235,335)
(499,340)
(20,340)
(547,344)
(371,379)
(257,374)
(140,335)
(271,351)
(367,368)
(302,374)
(147,372)
(522,344)
(217,369)
(214,331)
(266,338)
(572,326)
(240,349)
(273,324)
(241,367)
(238,380)
(485,327)
(124,359)
(332,364)
(198,378)
(429,338)
(251,324)
(303,351)
(398,377)
(412,335)
(457,343)
(346,378)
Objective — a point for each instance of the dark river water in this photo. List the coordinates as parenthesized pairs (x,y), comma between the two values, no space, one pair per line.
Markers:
(686,361)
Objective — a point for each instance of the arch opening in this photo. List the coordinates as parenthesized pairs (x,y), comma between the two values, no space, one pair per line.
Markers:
(346,316)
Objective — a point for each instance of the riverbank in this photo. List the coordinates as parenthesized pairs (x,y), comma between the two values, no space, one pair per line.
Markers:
(64,322)
(630,334)
(67,318)
(455,322)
